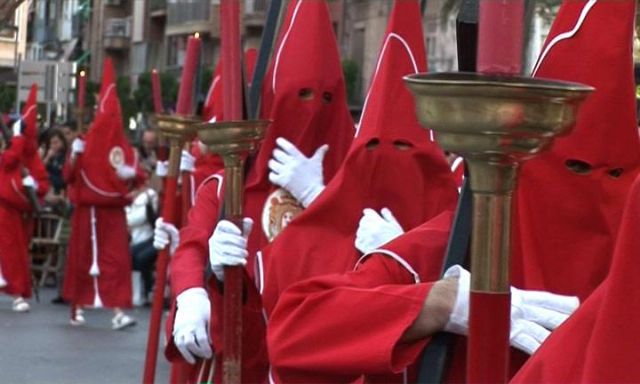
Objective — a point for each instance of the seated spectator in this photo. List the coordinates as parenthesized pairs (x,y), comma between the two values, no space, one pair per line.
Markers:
(54,157)
(141,215)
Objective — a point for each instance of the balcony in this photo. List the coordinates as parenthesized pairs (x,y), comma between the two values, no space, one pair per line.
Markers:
(158,8)
(117,33)
(189,16)
(255,13)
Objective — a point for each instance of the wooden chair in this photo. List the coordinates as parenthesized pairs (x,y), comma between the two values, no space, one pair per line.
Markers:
(48,247)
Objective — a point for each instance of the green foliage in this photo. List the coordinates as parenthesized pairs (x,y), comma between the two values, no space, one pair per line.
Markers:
(205,82)
(127,103)
(7,97)
(351,72)
(143,95)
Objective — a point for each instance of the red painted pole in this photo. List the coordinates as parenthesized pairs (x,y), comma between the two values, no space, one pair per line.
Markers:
(184,108)
(168,216)
(156,91)
(500,42)
(232,91)
(500,36)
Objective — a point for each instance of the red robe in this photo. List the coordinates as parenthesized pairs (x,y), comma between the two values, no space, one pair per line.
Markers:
(599,343)
(14,257)
(98,269)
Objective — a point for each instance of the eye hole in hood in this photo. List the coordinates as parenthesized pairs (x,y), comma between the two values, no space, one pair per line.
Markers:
(578,166)
(306,94)
(327,97)
(372,144)
(402,145)
(616,172)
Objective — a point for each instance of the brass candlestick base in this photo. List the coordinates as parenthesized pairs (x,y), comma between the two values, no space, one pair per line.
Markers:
(175,130)
(495,123)
(233,141)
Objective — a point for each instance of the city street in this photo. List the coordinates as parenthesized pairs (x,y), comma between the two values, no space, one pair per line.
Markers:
(42,347)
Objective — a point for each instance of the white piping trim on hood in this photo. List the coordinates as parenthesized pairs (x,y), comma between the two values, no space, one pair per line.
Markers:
(565,35)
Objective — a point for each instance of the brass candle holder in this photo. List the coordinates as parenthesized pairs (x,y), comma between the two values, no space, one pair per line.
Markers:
(176,130)
(233,141)
(495,123)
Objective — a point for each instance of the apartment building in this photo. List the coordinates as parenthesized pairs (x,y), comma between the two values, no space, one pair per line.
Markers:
(13,37)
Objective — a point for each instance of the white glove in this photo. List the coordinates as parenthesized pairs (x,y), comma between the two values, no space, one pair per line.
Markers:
(162,168)
(29,182)
(298,174)
(228,246)
(77,146)
(165,234)
(125,172)
(17,128)
(375,230)
(534,314)
(191,325)
(187,162)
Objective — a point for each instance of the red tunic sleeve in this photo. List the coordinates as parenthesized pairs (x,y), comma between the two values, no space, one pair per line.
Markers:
(335,328)
(192,255)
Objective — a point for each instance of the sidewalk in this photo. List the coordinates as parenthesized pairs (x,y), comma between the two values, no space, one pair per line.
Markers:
(42,347)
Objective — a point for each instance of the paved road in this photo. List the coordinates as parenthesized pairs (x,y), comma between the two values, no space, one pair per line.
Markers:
(41,346)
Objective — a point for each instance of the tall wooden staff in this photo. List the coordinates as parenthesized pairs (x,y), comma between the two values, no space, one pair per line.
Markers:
(234,190)
(176,129)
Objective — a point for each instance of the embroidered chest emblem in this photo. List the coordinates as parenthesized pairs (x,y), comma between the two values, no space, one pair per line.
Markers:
(116,157)
(278,211)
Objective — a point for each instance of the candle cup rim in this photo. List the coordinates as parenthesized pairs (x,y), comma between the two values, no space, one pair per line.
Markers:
(471,79)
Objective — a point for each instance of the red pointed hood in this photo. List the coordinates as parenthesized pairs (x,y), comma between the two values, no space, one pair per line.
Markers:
(391,163)
(107,146)
(213,104)
(570,199)
(304,95)
(30,121)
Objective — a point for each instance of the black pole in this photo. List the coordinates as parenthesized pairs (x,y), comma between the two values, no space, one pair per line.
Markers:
(266,48)
(434,361)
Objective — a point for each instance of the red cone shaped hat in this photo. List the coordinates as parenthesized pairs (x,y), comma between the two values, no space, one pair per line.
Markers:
(106,144)
(392,163)
(213,104)
(30,120)
(570,199)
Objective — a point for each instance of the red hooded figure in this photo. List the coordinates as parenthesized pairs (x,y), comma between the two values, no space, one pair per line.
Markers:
(307,107)
(17,163)
(394,163)
(32,161)
(570,199)
(15,274)
(98,270)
